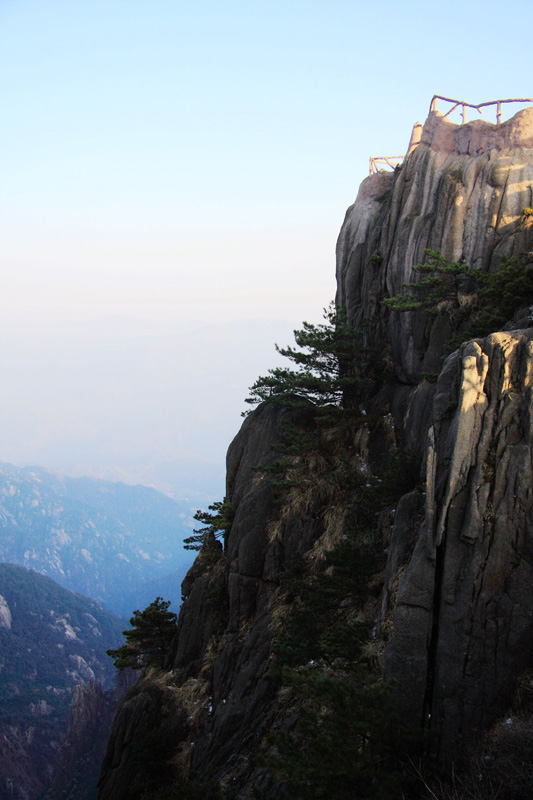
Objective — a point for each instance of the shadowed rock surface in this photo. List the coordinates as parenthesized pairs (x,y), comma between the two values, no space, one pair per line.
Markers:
(463,620)
(217,702)
(457,599)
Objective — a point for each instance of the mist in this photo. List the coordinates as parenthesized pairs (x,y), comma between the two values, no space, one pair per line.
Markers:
(105,401)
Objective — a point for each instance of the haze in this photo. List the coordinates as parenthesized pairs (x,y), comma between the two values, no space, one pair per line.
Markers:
(174,176)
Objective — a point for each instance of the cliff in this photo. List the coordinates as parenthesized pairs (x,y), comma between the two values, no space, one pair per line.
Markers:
(214,705)
(429,585)
(462,191)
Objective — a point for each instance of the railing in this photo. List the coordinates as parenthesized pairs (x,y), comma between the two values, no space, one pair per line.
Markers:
(394,161)
(390,161)
(464,106)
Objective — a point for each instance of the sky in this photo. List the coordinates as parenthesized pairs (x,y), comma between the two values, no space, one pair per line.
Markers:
(171,166)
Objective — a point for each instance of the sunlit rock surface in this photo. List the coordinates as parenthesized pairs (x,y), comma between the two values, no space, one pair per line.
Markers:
(457,589)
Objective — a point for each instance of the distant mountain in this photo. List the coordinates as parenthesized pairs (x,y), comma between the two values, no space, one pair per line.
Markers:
(166,586)
(103,539)
(158,410)
(50,641)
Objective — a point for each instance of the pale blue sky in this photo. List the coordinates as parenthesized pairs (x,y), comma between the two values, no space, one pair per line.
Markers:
(166,165)
(194,159)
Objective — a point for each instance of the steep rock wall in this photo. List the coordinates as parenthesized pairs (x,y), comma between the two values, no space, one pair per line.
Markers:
(461,191)
(217,702)
(463,614)
(457,587)
(463,620)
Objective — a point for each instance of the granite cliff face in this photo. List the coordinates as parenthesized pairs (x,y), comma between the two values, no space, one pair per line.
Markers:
(461,191)
(463,613)
(215,703)
(453,604)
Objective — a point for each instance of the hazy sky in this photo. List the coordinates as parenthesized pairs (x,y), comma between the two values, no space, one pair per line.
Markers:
(193,160)
(168,164)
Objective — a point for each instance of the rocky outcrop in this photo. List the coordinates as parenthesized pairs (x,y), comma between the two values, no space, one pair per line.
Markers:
(219,686)
(463,621)
(457,604)
(462,191)
(5,614)
(216,702)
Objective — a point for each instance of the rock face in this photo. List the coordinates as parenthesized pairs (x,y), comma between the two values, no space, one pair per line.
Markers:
(458,586)
(461,191)
(5,614)
(464,611)
(217,702)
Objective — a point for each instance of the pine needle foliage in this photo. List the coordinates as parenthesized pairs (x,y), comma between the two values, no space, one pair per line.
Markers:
(501,294)
(347,743)
(476,303)
(149,638)
(217,523)
(437,293)
(329,361)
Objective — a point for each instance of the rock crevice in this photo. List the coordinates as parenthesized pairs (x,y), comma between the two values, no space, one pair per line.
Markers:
(463,623)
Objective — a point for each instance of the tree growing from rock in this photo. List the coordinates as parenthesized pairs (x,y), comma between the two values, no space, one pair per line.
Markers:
(149,638)
(329,359)
(217,523)
(477,303)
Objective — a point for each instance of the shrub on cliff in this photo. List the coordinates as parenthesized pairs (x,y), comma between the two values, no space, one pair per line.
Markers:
(149,639)
(340,738)
(438,293)
(346,742)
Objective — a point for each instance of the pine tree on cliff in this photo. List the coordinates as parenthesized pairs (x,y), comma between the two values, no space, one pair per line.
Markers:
(329,362)
(217,523)
(149,639)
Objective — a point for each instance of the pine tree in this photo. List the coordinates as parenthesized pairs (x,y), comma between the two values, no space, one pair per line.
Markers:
(439,292)
(149,639)
(477,303)
(329,363)
(216,525)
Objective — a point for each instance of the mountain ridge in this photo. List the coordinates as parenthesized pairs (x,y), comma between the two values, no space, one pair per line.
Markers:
(103,539)
(52,641)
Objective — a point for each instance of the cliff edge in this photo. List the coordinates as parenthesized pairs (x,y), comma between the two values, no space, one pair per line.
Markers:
(438,595)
